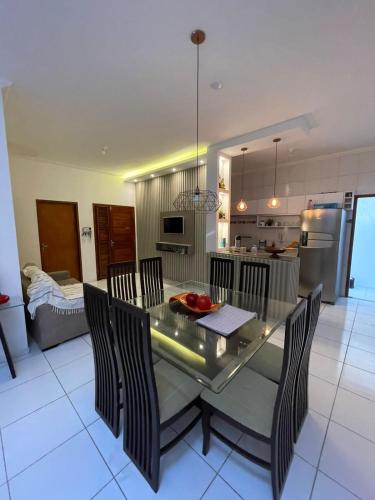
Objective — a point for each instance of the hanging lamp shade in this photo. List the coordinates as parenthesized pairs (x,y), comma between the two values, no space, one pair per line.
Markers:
(199,200)
(274,202)
(241,205)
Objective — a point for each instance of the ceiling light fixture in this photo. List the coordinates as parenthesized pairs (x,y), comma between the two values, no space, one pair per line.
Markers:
(203,201)
(274,202)
(174,169)
(241,205)
(152,175)
(216,85)
(135,180)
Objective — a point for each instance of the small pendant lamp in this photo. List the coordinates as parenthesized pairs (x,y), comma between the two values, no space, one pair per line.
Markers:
(274,202)
(241,205)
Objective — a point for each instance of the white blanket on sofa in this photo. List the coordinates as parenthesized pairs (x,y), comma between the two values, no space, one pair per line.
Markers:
(44,290)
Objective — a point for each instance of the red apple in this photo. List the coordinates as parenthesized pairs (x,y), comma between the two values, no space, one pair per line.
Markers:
(204,302)
(191,299)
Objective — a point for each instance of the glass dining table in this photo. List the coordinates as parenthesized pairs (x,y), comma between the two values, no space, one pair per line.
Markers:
(209,357)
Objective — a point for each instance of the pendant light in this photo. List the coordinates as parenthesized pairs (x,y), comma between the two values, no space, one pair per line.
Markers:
(199,200)
(241,205)
(274,202)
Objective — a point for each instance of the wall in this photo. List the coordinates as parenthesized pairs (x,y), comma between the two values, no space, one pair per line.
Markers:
(33,179)
(9,269)
(353,171)
(155,196)
(364,242)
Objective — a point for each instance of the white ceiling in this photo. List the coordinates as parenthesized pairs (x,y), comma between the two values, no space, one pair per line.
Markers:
(120,73)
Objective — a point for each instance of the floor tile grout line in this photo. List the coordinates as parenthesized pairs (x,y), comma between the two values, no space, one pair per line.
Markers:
(25,382)
(341,387)
(354,432)
(72,361)
(335,481)
(46,454)
(330,415)
(109,482)
(31,412)
(85,428)
(5,464)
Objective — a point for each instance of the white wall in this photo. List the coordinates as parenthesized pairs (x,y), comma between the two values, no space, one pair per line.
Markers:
(353,171)
(9,268)
(33,179)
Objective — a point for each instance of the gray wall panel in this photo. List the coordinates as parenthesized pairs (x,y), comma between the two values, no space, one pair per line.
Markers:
(157,195)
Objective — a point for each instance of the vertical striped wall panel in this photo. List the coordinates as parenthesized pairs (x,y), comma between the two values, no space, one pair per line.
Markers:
(157,195)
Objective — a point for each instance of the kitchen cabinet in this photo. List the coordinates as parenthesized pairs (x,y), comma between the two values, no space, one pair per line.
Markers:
(296,204)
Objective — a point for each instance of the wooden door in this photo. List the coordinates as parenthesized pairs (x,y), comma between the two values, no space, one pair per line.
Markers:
(59,242)
(114,236)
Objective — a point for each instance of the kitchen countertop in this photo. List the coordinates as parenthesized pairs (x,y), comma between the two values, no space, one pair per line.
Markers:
(260,255)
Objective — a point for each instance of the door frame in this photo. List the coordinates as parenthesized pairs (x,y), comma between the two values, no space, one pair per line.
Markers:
(75,205)
(354,217)
(96,232)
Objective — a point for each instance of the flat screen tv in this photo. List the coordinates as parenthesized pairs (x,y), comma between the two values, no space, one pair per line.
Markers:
(173,225)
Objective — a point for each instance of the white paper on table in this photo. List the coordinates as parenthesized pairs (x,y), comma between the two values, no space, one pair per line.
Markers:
(226,320)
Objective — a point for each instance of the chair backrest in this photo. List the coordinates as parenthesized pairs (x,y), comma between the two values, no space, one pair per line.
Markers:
(283,418)
(301,393)
(255,280)
(221,272)
(151,274)
(131,327)
(121,281)
(107,398)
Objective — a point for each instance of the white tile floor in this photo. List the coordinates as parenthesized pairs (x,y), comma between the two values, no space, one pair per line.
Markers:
(54,446)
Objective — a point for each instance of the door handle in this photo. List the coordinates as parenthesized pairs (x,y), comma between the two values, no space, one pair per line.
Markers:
(112,243)
(44,246)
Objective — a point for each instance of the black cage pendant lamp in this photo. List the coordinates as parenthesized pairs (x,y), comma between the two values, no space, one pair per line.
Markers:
(274,202)
(199,200)
(241,205)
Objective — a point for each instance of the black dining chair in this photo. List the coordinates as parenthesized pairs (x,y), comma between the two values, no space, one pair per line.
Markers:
(255,281)
(154,395)
(151,275)
(107,379)
(121,280)
(262,409)
(221,272)
(268,360)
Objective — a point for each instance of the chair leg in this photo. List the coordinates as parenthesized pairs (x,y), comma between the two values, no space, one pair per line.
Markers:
(206,419)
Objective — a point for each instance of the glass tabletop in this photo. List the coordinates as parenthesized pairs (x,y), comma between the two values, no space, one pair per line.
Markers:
(210,358)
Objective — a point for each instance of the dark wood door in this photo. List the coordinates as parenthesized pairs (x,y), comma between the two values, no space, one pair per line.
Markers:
(114,236)
(58,226)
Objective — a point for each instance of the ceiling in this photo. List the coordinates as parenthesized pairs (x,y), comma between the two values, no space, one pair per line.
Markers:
(88,74)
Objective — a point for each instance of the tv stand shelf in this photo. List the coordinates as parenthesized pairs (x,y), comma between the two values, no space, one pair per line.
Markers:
(180,248)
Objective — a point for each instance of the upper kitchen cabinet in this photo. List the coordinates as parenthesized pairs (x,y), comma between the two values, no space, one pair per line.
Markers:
(296,204)
(264,210)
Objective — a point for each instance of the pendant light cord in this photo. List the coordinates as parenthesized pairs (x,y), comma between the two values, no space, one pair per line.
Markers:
(197,117)
(243,169)
(274,184)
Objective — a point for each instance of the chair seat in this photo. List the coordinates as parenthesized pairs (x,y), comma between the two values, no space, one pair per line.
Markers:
(175,389)
(268,361)
(155,358)
(249,399)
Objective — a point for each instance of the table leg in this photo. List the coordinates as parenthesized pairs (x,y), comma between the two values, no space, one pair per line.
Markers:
(7,352)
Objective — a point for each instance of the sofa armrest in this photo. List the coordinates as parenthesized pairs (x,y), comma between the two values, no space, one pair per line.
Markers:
(59,275)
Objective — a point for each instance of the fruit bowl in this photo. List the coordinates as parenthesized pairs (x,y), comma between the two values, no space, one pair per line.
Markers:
(181,298)
(274,251)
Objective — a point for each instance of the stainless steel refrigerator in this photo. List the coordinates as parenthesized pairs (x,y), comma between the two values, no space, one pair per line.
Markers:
(321,250)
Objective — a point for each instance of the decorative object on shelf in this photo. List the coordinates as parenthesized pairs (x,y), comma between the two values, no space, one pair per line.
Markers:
(269,222)
(221,214)
(199,200)
(241,205)
(221,183)
(274,202)
(310,205)
(274,251)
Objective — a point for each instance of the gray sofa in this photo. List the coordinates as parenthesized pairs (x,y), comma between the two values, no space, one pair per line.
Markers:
(48,328)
